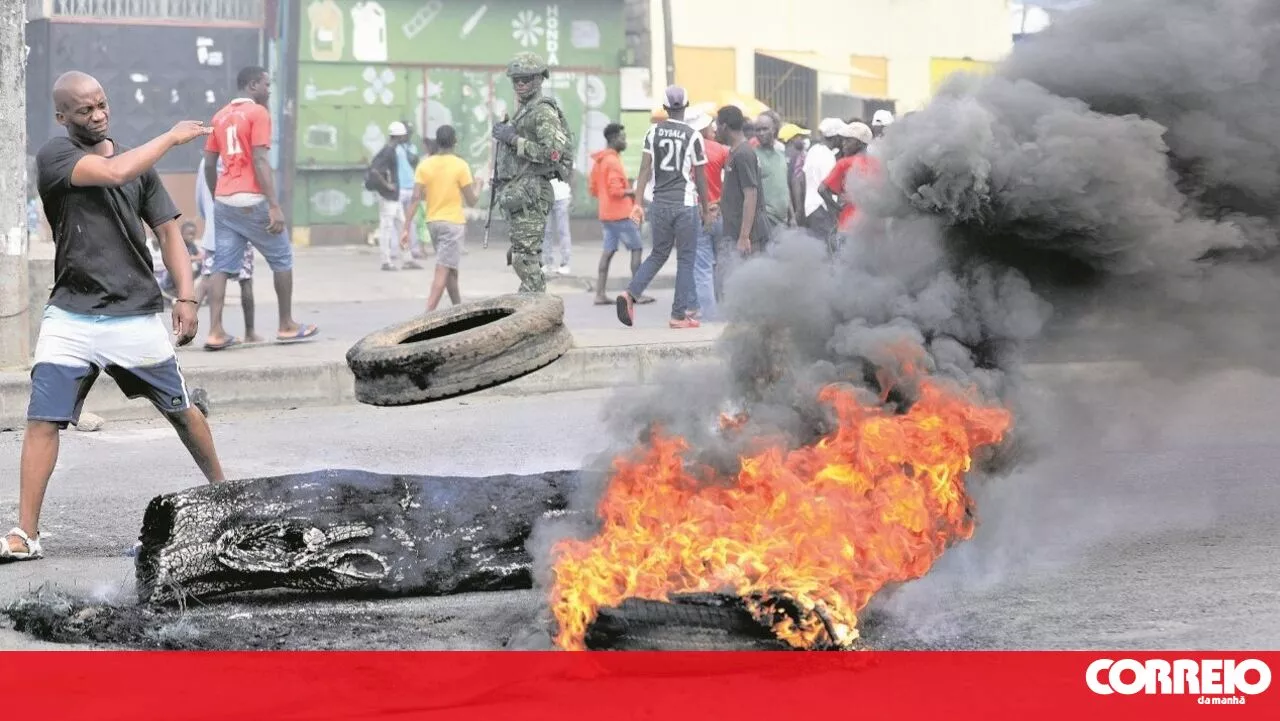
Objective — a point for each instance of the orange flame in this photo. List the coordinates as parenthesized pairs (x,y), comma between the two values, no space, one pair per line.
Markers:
(827,526)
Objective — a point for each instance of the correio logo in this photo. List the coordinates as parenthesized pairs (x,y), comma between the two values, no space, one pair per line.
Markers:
(1215,681)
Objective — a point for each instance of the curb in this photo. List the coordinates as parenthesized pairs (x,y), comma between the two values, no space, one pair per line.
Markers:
(330,383)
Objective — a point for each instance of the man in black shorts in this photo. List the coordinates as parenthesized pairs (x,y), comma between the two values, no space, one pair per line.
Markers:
(105,312)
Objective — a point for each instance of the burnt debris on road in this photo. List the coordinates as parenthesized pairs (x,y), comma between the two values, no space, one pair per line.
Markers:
(345,531)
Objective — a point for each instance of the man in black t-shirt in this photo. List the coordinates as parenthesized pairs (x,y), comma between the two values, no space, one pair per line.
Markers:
(746,227)
(105,312)
(673,157)
(741,204)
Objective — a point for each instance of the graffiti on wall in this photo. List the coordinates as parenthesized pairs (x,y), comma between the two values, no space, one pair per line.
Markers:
(333,137)
(569,32)
(371,63)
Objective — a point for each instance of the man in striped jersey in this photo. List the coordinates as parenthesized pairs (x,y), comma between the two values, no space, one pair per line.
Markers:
(674,156)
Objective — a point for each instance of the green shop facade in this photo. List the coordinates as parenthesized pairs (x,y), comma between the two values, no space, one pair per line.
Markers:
(362,64)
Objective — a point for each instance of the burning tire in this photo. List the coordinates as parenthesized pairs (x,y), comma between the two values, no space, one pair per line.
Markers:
(699,623)
(458,350)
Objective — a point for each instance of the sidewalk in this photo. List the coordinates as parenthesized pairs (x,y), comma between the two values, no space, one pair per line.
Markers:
(344,291)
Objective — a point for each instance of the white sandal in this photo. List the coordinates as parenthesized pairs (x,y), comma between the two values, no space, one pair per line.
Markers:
(33,547)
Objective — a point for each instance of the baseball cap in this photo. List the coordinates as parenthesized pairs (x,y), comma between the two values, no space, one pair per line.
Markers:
(397,128)
(830,127)
(858,131)
(789,131)
(675,97)
(699,121)
(882,117)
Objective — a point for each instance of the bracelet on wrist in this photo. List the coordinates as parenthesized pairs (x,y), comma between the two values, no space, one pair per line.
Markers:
(192,301)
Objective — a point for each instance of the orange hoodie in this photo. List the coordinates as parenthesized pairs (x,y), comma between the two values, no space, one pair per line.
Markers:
(609,186)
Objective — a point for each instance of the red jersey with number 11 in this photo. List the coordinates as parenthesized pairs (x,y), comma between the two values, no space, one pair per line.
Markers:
(238,128)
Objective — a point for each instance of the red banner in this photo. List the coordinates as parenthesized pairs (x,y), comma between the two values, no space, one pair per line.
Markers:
(67,686)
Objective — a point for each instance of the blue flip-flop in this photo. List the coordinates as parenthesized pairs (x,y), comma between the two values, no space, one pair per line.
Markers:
(304,332)
(231,342)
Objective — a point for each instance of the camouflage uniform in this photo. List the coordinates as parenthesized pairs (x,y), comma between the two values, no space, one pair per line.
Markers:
(524,171)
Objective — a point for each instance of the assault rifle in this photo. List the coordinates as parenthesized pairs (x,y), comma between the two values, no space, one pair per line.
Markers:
(493,188)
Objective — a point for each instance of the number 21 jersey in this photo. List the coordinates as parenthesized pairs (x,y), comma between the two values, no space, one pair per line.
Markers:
(238,128)
(676,150)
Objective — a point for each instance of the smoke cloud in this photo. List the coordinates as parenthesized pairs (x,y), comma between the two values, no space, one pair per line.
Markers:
(1116,181)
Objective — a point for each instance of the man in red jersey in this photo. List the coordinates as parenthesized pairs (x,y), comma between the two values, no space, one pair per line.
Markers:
(704,264)
(247,210)
(855,138)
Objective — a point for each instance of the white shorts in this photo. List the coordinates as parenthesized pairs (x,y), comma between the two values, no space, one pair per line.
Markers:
(73,349)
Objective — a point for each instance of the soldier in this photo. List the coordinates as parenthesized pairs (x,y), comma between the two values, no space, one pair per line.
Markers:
(533,147)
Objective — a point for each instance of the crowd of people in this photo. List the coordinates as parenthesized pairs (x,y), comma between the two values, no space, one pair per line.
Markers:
(718,189)
(711,187)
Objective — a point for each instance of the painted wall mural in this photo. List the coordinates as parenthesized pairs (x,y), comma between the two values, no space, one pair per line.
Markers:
(363,73)
(570,33)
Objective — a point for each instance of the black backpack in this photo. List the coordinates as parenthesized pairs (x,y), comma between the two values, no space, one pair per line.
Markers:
(372,183)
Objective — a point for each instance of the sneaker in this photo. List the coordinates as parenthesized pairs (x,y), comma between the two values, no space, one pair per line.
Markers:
(388,266)
(411,265)
(685,323)
(626,309)
(564,270)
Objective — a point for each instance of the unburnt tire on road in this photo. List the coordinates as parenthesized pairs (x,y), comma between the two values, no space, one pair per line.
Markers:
(461,349)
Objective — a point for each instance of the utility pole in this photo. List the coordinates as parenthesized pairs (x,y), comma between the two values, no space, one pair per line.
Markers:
(15,327)
(668,42)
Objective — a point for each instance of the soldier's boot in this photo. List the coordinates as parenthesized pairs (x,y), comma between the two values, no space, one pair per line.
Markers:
(529,270)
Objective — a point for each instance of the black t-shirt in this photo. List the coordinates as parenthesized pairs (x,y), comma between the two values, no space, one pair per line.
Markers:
(102,265)
(742,172)
(676,150)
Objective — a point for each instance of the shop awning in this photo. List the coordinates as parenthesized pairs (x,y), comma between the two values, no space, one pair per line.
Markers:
(820,63)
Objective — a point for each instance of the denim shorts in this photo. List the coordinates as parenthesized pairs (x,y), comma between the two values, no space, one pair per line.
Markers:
(624,231)
(235,229)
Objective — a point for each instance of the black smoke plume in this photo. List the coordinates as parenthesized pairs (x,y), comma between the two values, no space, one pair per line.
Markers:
(1114,183)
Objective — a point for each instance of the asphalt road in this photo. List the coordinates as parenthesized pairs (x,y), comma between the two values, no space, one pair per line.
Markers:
(1149,524)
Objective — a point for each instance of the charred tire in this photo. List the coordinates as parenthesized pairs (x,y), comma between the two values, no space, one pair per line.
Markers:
(643,625)
(464,348)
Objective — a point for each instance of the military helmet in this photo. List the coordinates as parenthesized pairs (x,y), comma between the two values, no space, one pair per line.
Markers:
(526,64)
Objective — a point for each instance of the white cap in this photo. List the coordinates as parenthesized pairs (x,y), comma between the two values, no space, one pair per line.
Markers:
(830,127)
(882,117)
(858,131)
(699,121)
(397,128)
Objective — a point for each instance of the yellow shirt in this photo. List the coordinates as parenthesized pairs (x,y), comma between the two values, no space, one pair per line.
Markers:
(442,178)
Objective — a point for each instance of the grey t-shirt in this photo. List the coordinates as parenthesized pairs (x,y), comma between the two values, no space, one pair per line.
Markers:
(742,172)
